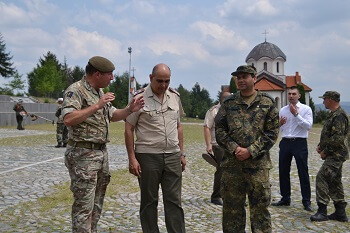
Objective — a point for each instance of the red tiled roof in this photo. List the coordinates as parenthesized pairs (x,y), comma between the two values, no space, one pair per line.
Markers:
(265,85)
(292,81)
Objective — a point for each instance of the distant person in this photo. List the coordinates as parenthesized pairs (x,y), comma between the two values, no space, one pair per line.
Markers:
(215,152)
(246,126)
(87,112)
(61,129)
(157,155)
(333,149)
(20,112)
(295,121)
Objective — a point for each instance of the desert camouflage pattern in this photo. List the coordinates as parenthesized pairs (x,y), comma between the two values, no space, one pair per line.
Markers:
(89,173)
(81,95)
(334,142)
(256,128)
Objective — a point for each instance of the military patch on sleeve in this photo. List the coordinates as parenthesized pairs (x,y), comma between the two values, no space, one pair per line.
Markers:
(69,94)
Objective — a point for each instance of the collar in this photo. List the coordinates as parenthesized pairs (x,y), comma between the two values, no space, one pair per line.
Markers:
(149,93)
(88,86)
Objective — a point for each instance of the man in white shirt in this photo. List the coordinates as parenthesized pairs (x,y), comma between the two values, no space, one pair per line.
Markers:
(295,121)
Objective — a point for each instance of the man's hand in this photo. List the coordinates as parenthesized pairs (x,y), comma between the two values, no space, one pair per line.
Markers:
(242,153)
(183,163)
(105,98)
(323,155)
(136,104)
(283,120)
(210,149)
(134,167)
(293,109)
(318,149)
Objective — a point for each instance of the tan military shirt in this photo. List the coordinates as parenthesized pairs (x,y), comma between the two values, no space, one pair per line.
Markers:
(81,95)
(210,123)
(156,123)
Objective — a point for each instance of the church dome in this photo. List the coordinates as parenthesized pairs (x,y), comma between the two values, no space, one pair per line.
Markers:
(266,49)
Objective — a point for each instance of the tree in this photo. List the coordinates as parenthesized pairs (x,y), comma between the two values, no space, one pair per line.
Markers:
(312,106)
(47,78)
(17,83)
(233,87)
(6,66)
(185,99)
(76,74)
(200,102)
(302,93)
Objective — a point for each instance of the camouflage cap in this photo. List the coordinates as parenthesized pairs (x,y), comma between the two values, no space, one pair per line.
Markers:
(101,64)
(245,69)
(332,95)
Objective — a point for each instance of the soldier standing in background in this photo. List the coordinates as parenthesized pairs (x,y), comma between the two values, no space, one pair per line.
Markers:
(61,129)
(87,112)
(215,152)
(20,112)
(247,126)
(333,149)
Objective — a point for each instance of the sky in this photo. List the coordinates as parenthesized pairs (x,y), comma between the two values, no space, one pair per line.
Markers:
(200,40)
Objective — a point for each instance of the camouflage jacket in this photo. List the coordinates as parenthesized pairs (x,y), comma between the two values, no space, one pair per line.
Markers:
(58,114)
(254,127)
(95,128)
(334,135)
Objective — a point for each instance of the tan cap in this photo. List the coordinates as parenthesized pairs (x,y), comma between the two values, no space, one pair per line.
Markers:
(101,64)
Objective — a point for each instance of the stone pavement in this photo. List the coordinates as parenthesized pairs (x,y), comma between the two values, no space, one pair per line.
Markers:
(30,172)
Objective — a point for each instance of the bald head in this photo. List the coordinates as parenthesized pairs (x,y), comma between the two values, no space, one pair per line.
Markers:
(160,68)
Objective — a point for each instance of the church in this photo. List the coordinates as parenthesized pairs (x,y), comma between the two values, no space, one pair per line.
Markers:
(269,61)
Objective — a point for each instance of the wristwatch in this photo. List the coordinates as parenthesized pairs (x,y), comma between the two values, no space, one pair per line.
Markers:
(183,154)
(296,114)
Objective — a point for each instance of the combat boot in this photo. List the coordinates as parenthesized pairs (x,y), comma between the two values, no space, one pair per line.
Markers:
(64,144)
(59,145)
(321,214)
(339,214)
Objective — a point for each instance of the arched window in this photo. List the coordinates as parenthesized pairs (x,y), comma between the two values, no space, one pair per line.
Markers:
(278,67)
(253,64)
(265,65)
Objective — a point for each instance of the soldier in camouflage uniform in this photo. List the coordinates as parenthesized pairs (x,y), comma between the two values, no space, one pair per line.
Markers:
(61,129)
(87,112)
(333,149)
(247,126)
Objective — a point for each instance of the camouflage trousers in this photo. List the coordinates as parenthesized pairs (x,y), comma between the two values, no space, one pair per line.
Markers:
(236,184)
(61,133)
(89,173)
(328,182)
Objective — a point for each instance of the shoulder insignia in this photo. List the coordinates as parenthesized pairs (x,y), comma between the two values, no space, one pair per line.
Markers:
(139,91)
(69,94)
(174,91)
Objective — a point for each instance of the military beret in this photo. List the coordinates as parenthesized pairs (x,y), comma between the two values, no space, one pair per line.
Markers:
(332,95)
(101,64)
(245,69)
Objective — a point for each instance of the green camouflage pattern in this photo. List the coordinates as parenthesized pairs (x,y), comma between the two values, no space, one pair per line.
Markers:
(329,183)
(81,95)
(334,135)
(254,127)
(61,133)
(235,184)
(89,173)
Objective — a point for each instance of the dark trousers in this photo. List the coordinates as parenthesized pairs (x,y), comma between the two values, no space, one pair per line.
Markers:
(298,149)
(166,170)
(218,153)
(19,119)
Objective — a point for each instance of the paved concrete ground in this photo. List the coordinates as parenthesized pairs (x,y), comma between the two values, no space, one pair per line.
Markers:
(30,172)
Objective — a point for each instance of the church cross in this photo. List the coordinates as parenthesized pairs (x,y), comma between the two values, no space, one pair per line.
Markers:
(265,34)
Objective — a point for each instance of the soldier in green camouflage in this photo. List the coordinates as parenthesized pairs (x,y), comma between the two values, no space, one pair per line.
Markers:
(61,129)
(247,126)
(333,149)
(87,112)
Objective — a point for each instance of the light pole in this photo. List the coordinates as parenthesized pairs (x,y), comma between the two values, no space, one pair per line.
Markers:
(129,51)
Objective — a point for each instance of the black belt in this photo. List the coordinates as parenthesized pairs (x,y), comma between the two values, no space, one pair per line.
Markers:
(293,139)
(87,145)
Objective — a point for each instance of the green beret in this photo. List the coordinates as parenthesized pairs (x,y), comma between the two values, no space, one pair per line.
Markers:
(101,64)
(245,69)
(332,95)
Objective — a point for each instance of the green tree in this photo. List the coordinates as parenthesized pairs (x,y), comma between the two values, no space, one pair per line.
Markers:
(233,87)
(302,93)
(6,66)
(312,106)
(321,115)
(200,102)
(17,83)
(6,91)
(76,74)
(47,78)
(185,99)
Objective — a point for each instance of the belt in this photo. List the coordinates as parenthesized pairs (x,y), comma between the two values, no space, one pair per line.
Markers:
(87,145)
(294,139)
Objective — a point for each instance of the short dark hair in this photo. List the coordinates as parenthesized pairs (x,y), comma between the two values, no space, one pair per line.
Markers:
(294,88)
(90,70)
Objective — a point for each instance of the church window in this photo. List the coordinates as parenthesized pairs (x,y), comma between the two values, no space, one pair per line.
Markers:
(253,64)
(265,65)
(278,67)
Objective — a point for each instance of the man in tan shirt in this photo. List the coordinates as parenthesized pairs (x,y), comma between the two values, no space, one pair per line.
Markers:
(157,156)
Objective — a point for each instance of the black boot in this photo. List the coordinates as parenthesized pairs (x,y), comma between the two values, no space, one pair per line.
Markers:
(58,145)
(339,214)
(321,214)
(64,144)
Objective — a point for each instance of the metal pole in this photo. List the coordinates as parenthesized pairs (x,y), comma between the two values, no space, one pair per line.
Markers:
(129,95)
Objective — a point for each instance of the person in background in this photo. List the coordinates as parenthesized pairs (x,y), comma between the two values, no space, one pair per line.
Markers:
(214,151)
(20,112)
(333,149)
(61,129)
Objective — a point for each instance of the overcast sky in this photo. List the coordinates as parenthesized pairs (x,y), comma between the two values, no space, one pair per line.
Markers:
(201,40)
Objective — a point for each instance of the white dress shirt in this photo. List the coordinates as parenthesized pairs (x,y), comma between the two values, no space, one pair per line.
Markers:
(296,126)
